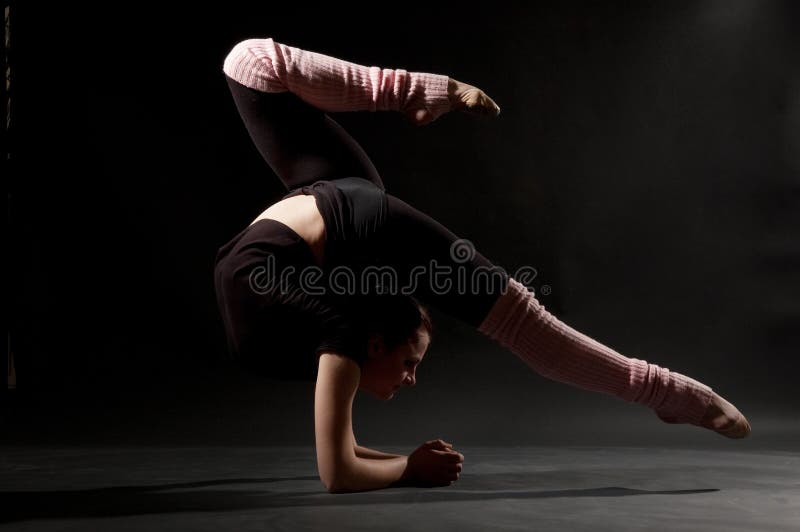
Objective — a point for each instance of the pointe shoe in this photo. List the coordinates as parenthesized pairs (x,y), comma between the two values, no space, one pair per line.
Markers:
(721,417)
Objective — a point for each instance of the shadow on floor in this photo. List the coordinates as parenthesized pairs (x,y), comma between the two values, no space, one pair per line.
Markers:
(140,500)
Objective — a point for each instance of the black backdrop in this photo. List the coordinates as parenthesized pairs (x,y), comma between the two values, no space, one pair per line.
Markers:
(645,162)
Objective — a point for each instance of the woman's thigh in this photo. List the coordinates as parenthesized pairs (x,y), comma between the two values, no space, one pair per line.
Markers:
(301,143)
(436,265)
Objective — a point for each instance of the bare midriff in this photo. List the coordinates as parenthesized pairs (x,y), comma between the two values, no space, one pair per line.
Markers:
(301,215)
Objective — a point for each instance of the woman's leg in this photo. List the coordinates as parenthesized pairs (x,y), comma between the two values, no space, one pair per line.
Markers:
(510,314)
(301,143)
(520,323)
(436,265)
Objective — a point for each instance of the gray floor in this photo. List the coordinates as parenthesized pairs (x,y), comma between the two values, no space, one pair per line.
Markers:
(518,488)
(231,453)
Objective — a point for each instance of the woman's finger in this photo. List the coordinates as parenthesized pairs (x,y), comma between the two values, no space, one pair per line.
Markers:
(457,456)
(451,455)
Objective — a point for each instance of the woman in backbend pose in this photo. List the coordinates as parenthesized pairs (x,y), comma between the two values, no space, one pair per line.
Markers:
(290,286)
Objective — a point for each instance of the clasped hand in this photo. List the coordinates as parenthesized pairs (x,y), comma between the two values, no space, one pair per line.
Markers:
(434,463)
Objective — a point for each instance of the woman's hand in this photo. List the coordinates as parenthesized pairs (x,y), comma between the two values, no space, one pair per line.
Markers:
(434,463)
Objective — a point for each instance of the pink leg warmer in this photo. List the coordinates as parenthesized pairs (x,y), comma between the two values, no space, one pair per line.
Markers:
(520,323)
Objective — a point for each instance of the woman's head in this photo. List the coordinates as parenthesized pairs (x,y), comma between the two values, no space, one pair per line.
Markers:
(398,335)
(398,319)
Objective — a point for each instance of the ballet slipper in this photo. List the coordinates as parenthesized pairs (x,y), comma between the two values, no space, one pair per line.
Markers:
(720,416)
(462,97)
(470,99)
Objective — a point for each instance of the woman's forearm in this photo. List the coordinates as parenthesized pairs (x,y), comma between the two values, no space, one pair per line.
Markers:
(365,452)
(370,474)
(332,84)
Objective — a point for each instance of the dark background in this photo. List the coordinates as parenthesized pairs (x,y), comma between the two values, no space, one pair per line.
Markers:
(646,163)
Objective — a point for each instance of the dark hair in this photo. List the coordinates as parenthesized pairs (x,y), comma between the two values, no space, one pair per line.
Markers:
(396,317)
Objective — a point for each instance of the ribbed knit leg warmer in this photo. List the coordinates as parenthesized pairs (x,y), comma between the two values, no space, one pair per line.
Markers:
(520,323)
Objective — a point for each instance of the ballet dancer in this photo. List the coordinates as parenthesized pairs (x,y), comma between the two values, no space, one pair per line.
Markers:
(289,285)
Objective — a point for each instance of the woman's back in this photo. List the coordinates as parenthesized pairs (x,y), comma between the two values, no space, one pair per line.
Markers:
(300,213)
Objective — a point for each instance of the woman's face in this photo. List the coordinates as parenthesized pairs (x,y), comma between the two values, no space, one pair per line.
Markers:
(387,370)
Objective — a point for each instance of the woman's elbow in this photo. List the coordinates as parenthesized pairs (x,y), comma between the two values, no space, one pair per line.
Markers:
(334,486)
(330,487)
(332,477)
(334,489)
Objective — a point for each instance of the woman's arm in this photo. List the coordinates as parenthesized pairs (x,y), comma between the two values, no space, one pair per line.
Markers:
(434,463)
(366,452)
(340,469)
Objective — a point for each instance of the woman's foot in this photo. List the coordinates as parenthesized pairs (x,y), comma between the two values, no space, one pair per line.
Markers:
(721,417)
(464,97)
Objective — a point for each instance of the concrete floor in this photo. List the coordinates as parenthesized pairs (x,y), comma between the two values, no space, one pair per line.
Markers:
(518,488)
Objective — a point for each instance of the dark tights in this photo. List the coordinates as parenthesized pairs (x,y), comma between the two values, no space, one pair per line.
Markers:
(303,145)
